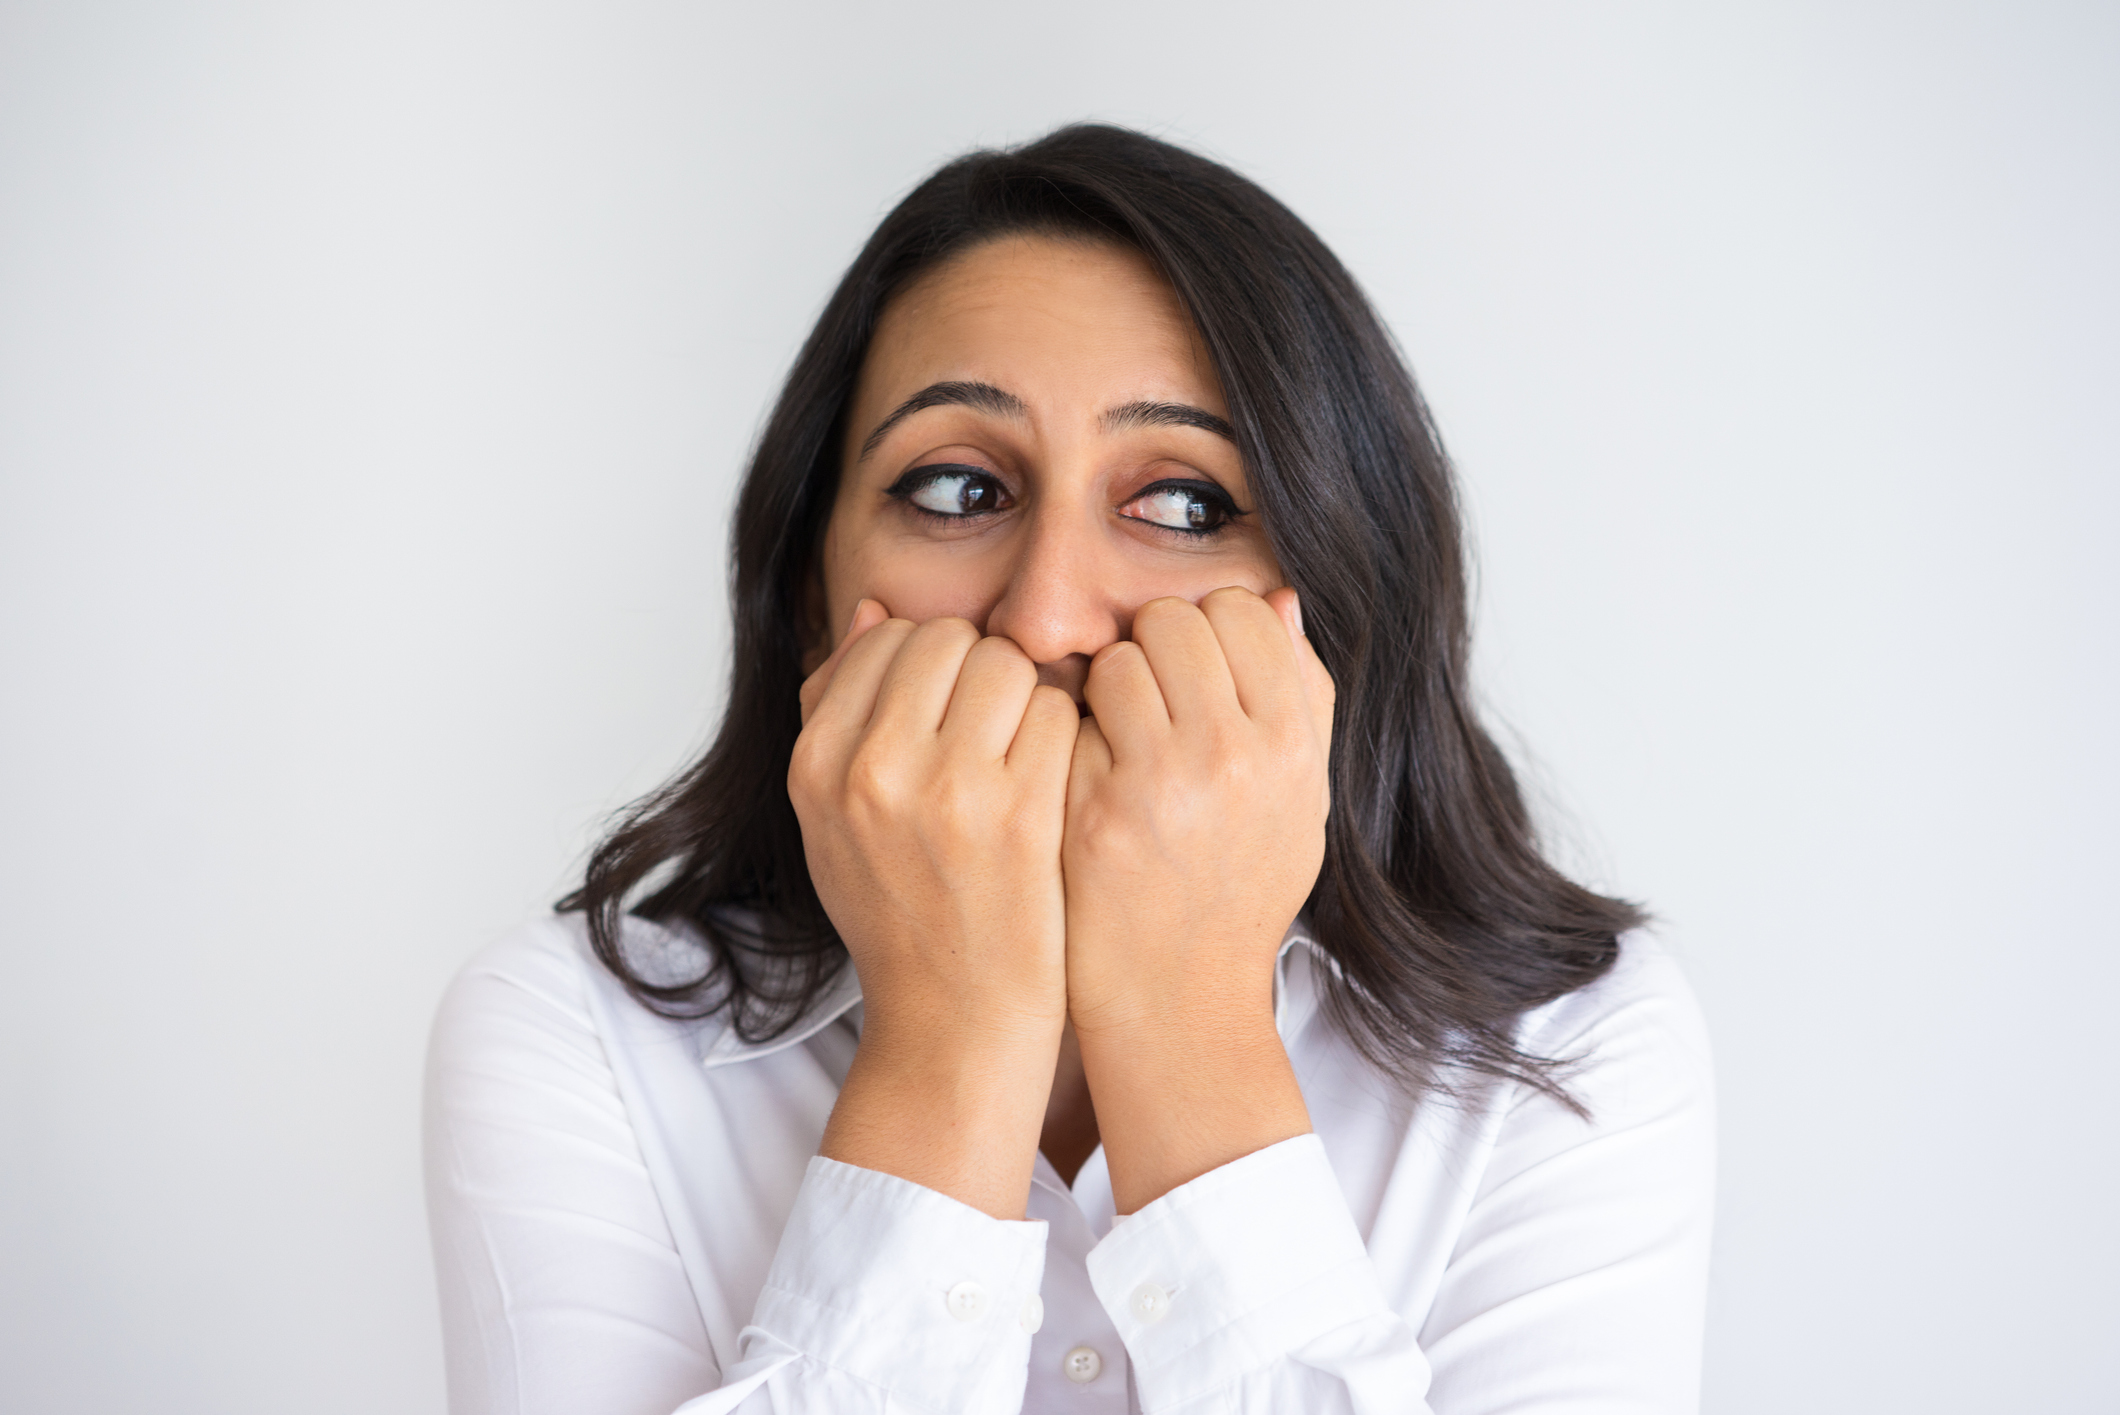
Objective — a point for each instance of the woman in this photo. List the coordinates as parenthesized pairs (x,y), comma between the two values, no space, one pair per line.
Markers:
(1101,963)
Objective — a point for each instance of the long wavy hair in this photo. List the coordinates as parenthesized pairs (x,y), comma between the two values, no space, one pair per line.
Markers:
(1443,917)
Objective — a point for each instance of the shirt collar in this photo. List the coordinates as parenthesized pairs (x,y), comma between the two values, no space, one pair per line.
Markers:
(728,1046)
(1295,1000)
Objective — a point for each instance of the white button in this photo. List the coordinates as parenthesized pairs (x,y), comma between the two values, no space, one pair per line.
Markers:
(1082,1365)
(1150,1303)
(1033,1315)
(967,1301)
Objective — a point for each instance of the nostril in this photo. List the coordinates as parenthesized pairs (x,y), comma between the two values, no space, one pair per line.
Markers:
(1070,675)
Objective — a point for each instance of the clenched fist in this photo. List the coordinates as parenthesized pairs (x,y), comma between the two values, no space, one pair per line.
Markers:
(930,780)
(1195,830)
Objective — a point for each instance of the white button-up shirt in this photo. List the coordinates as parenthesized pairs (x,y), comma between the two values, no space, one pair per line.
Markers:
(631,1218)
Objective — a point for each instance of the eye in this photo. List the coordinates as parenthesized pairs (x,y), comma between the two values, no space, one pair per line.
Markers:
(1193,507)
(950,491)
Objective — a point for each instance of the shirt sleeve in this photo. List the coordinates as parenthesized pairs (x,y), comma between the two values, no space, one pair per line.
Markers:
(887,1296)
(561,1285)
(1579,1277)
(1577,1281)
(1250,1289)
(563,1290)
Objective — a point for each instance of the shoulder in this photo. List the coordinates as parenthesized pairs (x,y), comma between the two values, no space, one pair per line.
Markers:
(537,965)
(1591,1225)
(1641,1015)
(541,989)
(536,976)
(554,1252)
(534,1038)
(1632,1052)
(543,986)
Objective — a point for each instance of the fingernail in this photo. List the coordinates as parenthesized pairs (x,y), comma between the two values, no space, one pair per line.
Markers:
(857,616)
(1297,601)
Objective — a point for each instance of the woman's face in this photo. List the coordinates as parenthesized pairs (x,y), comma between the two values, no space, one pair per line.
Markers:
(1038,444)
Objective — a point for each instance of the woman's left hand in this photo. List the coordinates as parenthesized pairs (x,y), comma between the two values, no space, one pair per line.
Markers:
(1196,813)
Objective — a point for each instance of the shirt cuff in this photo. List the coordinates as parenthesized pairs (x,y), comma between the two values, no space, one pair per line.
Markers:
(1233,1272)
(905,1288)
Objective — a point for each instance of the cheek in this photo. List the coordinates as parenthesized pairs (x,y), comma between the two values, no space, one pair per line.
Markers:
(1246,566)
(916,581)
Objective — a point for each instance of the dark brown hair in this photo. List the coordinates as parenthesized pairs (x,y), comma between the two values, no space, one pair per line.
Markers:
(1434,899)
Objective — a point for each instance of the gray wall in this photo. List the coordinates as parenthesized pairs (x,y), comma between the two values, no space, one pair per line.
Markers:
(373,379)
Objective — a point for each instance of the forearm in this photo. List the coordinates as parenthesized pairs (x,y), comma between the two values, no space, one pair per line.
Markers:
(1184,1090)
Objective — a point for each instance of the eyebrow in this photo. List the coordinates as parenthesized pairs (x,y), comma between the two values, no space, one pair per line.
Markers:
(1130,415)
(999,401)
(983,396)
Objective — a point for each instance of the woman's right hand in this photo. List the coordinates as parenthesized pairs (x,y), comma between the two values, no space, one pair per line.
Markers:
(930,780)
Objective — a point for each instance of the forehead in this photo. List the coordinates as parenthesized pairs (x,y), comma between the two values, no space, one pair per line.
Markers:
(1028,310)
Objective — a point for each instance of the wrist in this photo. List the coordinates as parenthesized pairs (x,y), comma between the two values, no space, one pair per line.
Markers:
(1210,992)
(1178,1100)
(955,1110)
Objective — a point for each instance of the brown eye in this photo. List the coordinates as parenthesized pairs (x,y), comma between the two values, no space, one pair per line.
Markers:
(1195,508)
(950,491)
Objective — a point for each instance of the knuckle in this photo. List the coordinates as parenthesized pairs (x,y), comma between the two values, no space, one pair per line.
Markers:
(885,641)
(1002,656)
(1117,658)
(803,761)
(1226,744)
(1027,825)
(949,631)
(889,632)
(1053,710)
(1090,826)
(870,779)
(952,798)
(1170,609)
(1237,778)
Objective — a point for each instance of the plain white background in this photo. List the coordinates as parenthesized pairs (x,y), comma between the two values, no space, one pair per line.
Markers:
(373,383)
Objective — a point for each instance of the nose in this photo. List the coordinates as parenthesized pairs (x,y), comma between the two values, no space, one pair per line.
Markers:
(1062,601)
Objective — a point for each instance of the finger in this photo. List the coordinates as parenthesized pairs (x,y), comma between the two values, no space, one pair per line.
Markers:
(987,705)
(1319,691)
(915,692)
(1091,761)
(1121,689)
(848,704)
(867,615)
(1045,739)
(1187,660)
(1318,688)
(1263,665)
(1286,604)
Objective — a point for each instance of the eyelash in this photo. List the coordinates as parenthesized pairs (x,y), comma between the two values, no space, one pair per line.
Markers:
(1206,491)
(903,490)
